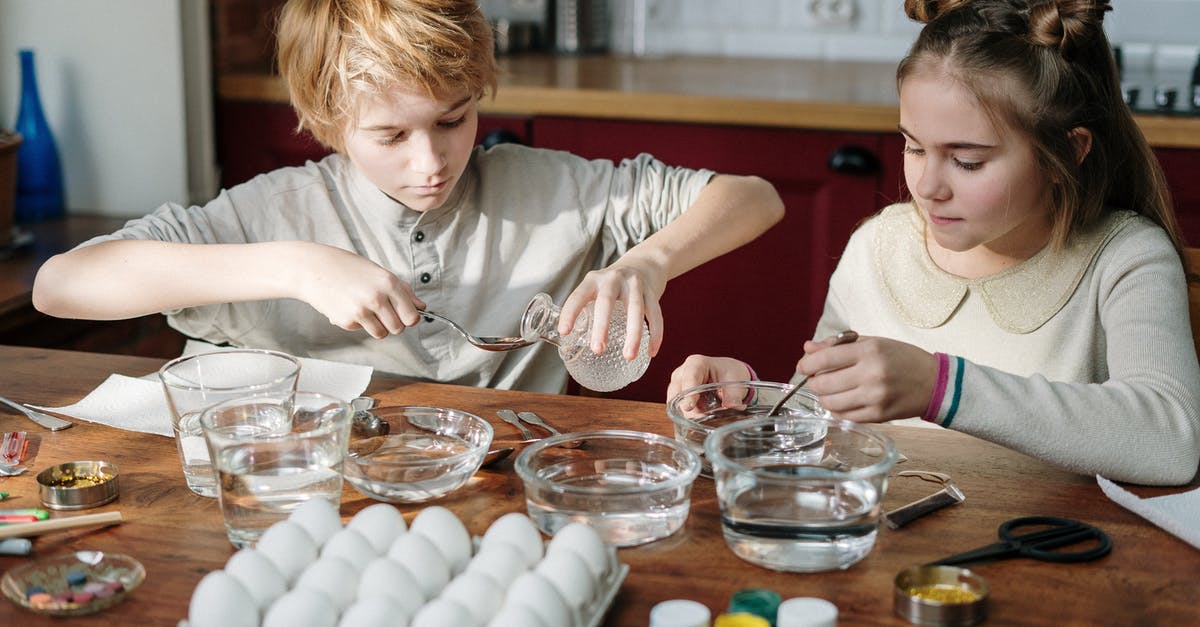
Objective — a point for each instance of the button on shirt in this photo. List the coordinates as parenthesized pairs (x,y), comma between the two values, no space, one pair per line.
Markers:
(520,221)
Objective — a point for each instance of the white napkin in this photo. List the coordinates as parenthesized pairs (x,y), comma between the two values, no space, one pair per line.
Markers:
(139,404)
(1178,514)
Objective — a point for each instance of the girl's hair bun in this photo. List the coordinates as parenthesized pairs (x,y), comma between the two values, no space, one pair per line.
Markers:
(1064,24)
(924,11)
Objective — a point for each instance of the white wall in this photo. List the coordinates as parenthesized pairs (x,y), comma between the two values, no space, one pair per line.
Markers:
(112,80)
(877,30)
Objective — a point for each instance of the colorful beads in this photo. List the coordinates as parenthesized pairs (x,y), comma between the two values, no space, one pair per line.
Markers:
(79,591)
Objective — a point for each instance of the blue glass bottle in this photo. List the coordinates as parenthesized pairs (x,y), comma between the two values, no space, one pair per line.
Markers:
(39,172)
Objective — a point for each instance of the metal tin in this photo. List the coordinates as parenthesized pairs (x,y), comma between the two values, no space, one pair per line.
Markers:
(60,486)
(916,587)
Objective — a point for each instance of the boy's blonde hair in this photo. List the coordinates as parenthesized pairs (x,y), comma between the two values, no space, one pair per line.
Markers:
(334,52)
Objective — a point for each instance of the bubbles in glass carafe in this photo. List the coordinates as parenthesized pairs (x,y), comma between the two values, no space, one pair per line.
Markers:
(605,372)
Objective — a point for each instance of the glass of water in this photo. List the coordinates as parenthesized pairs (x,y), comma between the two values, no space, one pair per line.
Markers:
(793,503)
(193,383)
(272,453)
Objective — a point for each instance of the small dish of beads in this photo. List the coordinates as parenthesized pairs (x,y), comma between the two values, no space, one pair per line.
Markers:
(73,584)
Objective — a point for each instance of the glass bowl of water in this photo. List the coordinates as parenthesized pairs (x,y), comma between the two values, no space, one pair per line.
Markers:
(410,454)
(698,411)
(793,503)
(631,487)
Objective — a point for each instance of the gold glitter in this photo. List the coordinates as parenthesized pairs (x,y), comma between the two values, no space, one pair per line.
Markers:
(942,594)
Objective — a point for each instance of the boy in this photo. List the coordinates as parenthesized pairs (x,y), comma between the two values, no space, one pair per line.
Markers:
(335,259)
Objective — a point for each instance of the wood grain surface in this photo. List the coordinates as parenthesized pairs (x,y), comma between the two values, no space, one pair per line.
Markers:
(1148,579)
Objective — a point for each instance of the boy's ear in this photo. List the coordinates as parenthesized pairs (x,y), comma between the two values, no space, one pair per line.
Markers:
(1082,139)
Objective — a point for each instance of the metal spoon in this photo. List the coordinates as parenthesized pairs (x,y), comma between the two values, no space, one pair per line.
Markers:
(46,420)
(844,337)
(496,455)
(487,343)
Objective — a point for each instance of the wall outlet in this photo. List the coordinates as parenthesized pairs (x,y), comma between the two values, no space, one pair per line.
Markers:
(829,13)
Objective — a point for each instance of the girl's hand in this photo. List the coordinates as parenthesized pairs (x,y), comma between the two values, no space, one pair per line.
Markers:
(871,380)
(354,292)
(638,284)
(701,369)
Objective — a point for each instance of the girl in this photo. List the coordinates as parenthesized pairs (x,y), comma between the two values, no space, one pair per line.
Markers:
(1031,293)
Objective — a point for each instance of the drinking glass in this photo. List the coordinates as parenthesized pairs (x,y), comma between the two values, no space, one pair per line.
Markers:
(273,453)
(793,504)
(193,383)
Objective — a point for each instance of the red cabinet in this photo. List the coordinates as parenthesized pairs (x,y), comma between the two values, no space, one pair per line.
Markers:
(1182,169)
(760,302)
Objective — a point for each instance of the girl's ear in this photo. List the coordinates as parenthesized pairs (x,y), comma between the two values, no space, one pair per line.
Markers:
(1082,138)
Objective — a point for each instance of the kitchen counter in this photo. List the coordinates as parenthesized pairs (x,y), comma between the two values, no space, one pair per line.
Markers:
(832,95)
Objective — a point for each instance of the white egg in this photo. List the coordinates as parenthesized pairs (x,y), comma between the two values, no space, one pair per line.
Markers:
(319,518)
(416,553)
(301,608)
(443,613)
(447,533)
(583,539)
(334,576)
(386,577)
(499,560)
(518,530)
(516,616)
(220,600)
(570,576)
(258,574)
(289,547)
(381,523)
(351,546)
(374,612)
(535,592)
(477,592)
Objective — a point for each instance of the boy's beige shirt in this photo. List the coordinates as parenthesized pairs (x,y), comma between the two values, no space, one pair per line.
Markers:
(519,222)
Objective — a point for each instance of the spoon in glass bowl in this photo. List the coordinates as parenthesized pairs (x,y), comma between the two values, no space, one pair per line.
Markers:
(487,343)
(844,337)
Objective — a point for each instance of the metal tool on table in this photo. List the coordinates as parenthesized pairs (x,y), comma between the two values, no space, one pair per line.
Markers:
(843,337)
(537,421)
(45,420)
(510,416)
(1046,536)
(948,495)
(486,343)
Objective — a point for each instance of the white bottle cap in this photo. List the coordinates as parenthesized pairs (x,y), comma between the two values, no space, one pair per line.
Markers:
(806,612)
(680,613)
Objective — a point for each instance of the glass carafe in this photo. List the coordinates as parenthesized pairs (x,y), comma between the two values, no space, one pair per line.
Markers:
(605,372)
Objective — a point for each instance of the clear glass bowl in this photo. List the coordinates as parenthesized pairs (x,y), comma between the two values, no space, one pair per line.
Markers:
(796,503)
(698,411)
(412,454)
(631,487)
(94,568)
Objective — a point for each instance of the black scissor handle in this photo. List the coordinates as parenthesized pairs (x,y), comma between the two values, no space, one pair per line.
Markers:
(1059,532)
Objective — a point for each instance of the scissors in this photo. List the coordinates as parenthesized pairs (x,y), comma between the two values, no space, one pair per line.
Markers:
(1041,545)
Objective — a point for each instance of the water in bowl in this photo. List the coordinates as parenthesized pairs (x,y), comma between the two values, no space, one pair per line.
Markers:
(631,512)
(826,526)
(404,466)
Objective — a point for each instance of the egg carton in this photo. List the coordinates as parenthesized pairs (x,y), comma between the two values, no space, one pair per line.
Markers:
(434,572)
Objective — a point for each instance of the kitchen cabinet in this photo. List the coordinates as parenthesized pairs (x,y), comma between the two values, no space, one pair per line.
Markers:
(760,302)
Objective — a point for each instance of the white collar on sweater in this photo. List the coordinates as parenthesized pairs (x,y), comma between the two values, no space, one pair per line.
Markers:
(1020,299)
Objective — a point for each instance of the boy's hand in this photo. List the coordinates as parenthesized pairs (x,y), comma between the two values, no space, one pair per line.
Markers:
(354,292)
(871,380)
(701,369)
(638,285)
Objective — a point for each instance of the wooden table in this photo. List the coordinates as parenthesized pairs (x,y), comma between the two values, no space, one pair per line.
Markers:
(21,324)
(1150,578)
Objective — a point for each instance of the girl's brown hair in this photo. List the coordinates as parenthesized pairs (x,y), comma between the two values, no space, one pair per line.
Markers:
(1045,68)
(333,52)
